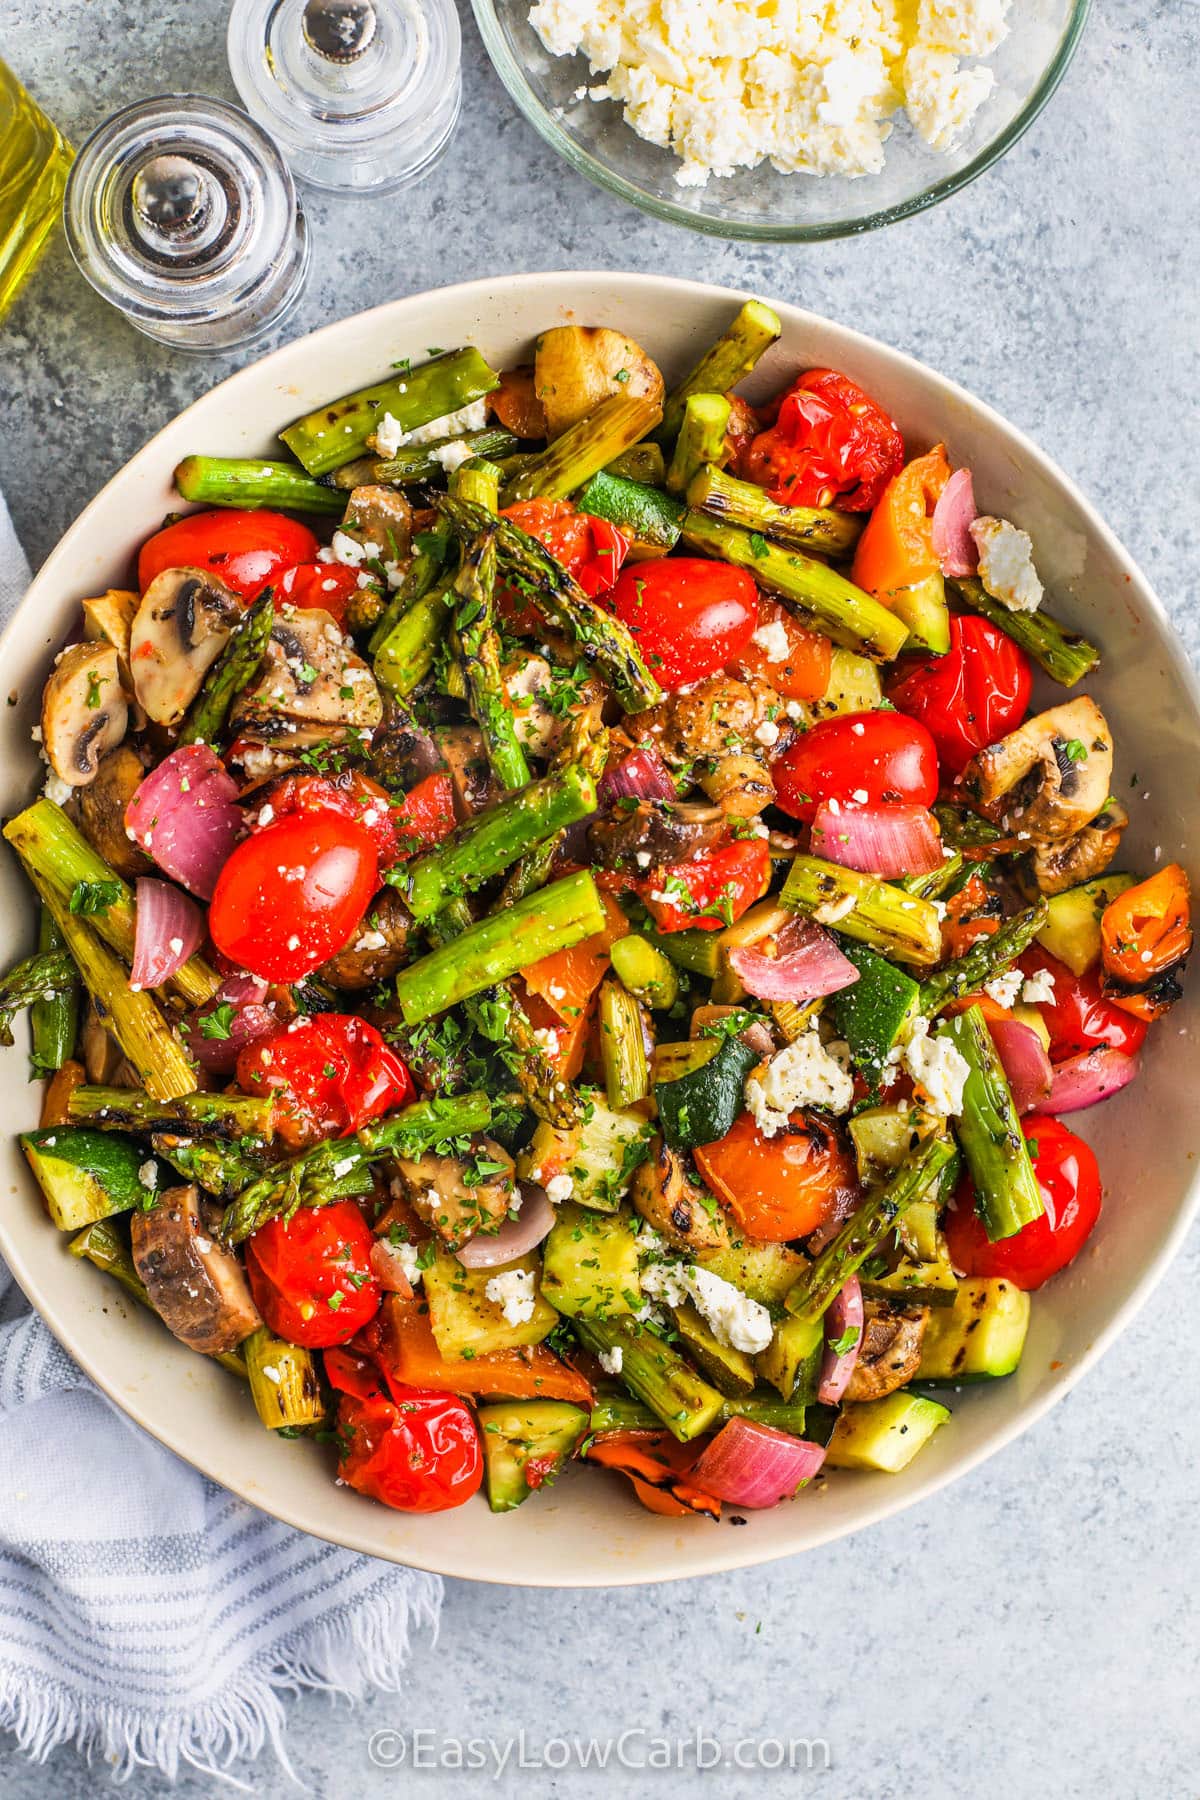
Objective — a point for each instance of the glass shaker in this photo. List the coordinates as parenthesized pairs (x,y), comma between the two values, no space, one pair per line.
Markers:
(361,95)
(181,213)
(34,159)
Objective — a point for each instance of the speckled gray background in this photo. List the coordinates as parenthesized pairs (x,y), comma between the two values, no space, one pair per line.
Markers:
(1033,1631)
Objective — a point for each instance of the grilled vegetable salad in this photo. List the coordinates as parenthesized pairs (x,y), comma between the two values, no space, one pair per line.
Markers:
(561,936)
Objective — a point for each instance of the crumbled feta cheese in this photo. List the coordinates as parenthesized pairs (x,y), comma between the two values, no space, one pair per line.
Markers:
(612,1361)
(370,940)
(1003,989)
(343,1167)
(642,859)
(731,1316)
(1038,988)
(559,1188)
(293,942)
(767,733)
(1006,564)
(271,1372)
(57,790)
(802,1074)
(860,796)
(452,456)
(175,946)
(940,96)
(666,1281)
(147,1173)
(772,640)
(389,435)
(408,1256)
(512,1292)
(940,1069)
(830,911)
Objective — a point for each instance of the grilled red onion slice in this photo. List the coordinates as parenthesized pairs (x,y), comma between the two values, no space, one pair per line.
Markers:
(953,517)
(488,1249)
(1087,1079)
(642,775)
(185,815)
(886,840)
(388,1267)
(238,1016)
(1026,1064)
(754,1465)
(808,965)
(844,1316)
(169,928)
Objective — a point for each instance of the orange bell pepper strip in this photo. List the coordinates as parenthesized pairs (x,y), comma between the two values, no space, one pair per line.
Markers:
(780,1187)
(1147,929)
(403,1340)
(567,979)
(896,548)
(658,1467)
(802,673)
(564,1040)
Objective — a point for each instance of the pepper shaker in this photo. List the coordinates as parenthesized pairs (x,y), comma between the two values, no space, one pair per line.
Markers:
(361,95)
(182,214)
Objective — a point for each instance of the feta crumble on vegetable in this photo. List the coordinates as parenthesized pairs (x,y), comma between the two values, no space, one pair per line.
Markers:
(1038,988)
(612,1361)
(940,1069)
(512,1292)
(1006,564)
(1004,989)
(805,1073)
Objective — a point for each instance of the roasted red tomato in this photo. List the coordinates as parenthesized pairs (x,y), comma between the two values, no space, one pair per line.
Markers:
(1079,1017)
(330,1073)
(712,891)
(858,757)
(1069,1178)
(974,695)
(291,896)
(426,814)
(795,662)
(311,1274)
(590,549)
(330,586)
(350,793)
(688,617)
(831,445)
(246,549)
(418,1451)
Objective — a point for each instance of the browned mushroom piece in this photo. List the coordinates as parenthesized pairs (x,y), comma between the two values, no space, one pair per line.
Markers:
(178,632)
(380,519)
(711,730)
(890,1352)
(380,948)
(101,812)
(84,712)
(105,1061)
(757,1036)
(109,618)
(1048,779)
(682,1213)
(1074,860)
(450,1196)
(470,772)
(575,367)
(313,685)
(655,831)
(198,1289)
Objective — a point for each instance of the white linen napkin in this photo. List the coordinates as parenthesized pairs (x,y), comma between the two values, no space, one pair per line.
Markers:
(146,1615)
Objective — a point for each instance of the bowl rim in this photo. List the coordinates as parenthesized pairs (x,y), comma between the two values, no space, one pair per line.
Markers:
(726,1552)
(512,75)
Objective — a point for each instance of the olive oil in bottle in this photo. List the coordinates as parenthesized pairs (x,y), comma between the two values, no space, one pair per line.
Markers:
(34,159)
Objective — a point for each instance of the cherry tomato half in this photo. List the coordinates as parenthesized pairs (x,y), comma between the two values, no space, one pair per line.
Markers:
(710,892)
(291,896)
(350,793)
(1079,1017)
(330,1073)
(418,1452)
(311,1274)
(426,814)
(688,617)
(246,549)
(973,695)
(330,586)
(831,445)
(864,757)
(590,549)
(1069,1178)
(780,1187)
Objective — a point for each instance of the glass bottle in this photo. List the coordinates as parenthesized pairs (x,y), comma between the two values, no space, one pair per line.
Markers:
(34,159)
(181,213)
(361,95)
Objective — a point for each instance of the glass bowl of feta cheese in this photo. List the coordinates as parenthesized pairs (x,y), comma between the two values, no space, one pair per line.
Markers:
(801,120)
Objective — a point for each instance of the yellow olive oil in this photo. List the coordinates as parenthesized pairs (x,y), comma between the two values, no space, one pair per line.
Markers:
(34,159)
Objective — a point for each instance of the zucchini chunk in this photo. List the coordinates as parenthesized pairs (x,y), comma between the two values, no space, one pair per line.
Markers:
(1072,928)
(590,1263)
(698,1089)
(872,1013)
(466,1322)
(88,1175)
(525,1444)
(885,1434)
(980,1338)
(600,1153)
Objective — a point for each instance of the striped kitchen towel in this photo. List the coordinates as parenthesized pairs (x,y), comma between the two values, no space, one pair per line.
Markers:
(146,1616)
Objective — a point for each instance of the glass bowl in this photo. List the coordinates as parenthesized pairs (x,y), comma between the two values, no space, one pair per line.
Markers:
(760,203)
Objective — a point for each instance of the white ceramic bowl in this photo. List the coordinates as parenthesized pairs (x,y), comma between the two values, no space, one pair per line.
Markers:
(587,1531)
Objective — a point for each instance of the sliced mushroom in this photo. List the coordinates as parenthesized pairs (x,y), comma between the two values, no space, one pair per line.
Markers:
(710,730)
(529,683)
(380,519)
(402,751)
(739,784)
(109,619)
(102,812)
(380,948)
(1074,860)
(1050,777)
(448,1193)
(515,404)
(575,367)
(470,772)
(105,1061)
(891,1350)
(660,831)
(84,712)
(679,1211)
(178,632)
(313,684)
(198,1289)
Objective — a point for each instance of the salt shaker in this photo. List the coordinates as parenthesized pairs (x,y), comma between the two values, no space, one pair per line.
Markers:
(361,95)
(181,213)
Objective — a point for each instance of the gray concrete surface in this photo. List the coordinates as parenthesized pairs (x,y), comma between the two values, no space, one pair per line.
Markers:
(1033,1631)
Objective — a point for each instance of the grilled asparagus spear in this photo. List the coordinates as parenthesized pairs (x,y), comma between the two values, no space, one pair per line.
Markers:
(337,433)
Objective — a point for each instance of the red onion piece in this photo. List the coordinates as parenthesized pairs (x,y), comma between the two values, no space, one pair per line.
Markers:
(488,1249)
(249,1021)
(754,1465)
(169,928)
(1087,1079)
(808,965)
(387,1266)
(642,775)
(953,517)
(844,1316)
(886,840)
(185,815)
(1026,1064)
